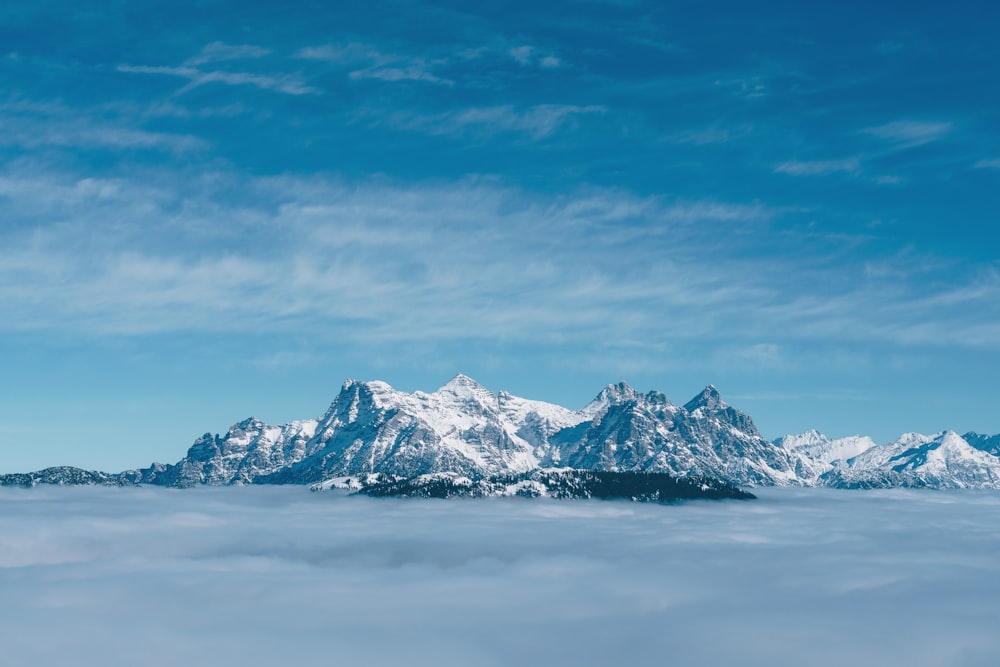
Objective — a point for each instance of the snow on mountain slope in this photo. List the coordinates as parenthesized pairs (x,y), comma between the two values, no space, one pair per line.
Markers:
(987,443)
(818,447)
(915,460)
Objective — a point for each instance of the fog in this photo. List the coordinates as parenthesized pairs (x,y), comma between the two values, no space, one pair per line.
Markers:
(279,575)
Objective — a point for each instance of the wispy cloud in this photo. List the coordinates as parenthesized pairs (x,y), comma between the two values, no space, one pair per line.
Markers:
(221,52)
(537,122)
(413,72)
(470,260)
(377,64)
(352,52)
(749,88)
(710,135)
(32,126)
(87,135)
(528,55)
(908,134)
(384,256)
(290,84)
(819,167)
(991,163)
(371,62)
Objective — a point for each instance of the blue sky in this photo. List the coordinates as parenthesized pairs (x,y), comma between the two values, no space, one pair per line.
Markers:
(211,210)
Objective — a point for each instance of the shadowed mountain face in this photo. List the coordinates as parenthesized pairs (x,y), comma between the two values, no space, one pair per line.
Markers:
(465,429)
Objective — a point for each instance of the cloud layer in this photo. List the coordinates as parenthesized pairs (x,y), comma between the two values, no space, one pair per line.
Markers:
(473,260)
(277,575)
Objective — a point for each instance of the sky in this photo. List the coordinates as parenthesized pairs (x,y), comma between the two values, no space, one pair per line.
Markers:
(279,575)
(211,210)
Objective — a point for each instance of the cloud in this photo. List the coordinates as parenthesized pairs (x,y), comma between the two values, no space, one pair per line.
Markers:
(412,72)
(749,88)
(89,135)
(372,263)
(377,64)
(528,55)
(537,122)
(819,167)
(987,164)
(275,575)
(522,54)
(710,135)
(32,126)
(285,83)
(371,62)
(220,52)
(384,262)
(349,53)
(908,134)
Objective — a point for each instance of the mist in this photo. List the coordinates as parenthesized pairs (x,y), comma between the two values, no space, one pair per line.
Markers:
(279,575)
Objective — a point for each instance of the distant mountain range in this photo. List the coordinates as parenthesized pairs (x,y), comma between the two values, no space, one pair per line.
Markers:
(465,431)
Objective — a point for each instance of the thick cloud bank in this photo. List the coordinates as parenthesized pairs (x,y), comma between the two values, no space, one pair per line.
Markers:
(269,576)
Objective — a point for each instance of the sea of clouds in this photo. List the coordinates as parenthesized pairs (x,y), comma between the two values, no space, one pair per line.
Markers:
(279,575)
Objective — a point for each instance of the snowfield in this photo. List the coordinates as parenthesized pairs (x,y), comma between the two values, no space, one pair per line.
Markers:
(278,575)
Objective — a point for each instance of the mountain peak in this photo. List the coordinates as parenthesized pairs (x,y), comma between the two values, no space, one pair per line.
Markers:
(461,379)
(613,394)
(621,391)
(464,386)
(708,398)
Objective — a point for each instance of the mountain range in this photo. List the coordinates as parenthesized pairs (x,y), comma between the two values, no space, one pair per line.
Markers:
(465,430)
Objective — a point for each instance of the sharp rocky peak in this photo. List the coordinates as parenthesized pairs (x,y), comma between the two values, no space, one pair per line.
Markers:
(618,393)
(709,398)
(354,394)
(249,423)
(613,394)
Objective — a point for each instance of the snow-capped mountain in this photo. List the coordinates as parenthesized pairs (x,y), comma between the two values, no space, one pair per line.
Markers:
(371,427)
(249,450)
(946,460)
(818,447)
(706,437)
(465,429)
